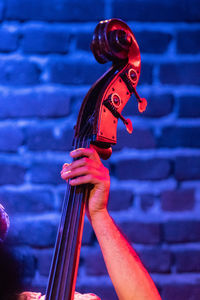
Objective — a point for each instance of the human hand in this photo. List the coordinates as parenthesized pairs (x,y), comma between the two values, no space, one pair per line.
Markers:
(88,169)
(78,296)
(30,296)
(35,296)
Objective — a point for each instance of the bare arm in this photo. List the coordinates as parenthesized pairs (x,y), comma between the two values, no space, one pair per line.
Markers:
(129,277)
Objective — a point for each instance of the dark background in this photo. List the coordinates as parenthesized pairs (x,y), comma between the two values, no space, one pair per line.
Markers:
(46,68)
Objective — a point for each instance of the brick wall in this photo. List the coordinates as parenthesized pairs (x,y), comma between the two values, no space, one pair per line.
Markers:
(155,193)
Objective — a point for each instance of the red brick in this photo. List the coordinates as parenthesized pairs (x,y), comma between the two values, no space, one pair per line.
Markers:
(143,169)
(178,200)
(181,231)
(142,233)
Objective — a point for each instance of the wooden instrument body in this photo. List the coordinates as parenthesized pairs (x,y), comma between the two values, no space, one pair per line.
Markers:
(97,125)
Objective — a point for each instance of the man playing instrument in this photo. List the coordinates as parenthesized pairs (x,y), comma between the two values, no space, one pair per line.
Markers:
(129,277)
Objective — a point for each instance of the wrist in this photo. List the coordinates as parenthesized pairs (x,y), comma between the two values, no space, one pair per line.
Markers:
(99,216)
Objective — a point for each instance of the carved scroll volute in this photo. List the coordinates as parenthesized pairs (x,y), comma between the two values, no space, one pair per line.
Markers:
(112,41)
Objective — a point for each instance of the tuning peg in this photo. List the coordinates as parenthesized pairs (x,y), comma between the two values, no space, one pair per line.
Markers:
(129,126)
(142,104)
(127,123)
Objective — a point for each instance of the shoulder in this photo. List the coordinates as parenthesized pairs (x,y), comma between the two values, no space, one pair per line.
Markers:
(4,223)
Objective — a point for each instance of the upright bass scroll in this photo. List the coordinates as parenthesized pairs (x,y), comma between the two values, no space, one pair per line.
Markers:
(112,41)
(97,125)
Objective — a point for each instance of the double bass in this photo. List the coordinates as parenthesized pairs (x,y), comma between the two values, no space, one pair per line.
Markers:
(96,126)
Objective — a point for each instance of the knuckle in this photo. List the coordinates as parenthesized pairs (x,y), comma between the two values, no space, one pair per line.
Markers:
(85,160)
(92,150)
(106,170)
(62,176)
(65,166)
(87,168)
(90,177)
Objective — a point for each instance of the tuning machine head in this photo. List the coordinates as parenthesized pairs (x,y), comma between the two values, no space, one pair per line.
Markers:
(142,104)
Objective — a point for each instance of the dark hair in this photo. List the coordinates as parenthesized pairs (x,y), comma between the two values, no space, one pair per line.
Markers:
(10,277)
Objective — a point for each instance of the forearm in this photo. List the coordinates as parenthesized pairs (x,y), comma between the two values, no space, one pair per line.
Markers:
(129,277)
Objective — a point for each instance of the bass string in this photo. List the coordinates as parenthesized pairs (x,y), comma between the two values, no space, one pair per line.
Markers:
(68,241)
(84,142)
(57,249)
(78,211)
(54,274)
(76,233)
(67,208)
(70,219)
